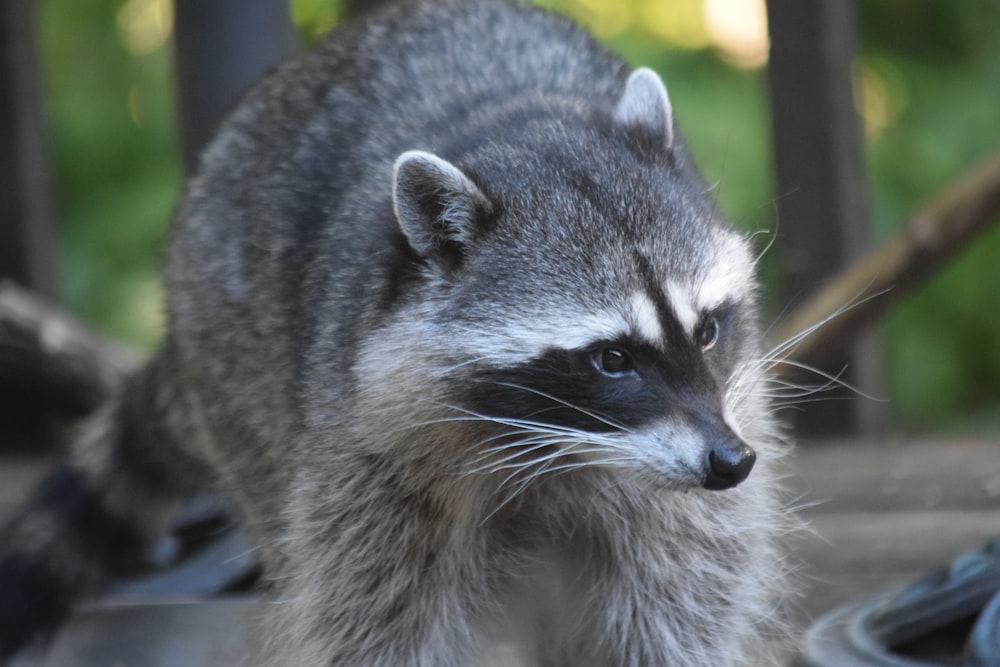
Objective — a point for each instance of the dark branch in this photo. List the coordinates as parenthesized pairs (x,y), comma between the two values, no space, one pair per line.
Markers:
(879,280)
(47,353)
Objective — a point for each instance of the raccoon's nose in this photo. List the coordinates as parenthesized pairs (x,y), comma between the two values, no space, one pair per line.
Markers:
(729,463)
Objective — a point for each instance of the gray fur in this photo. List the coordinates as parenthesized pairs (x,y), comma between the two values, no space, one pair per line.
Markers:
(645,103)
(452,190)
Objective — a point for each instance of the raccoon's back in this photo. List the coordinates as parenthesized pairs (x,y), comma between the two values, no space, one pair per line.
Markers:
(290,212)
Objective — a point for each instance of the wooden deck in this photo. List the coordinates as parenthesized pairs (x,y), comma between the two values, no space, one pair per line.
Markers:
(879,514)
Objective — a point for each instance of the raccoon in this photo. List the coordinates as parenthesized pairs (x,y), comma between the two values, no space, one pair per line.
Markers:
(455,324)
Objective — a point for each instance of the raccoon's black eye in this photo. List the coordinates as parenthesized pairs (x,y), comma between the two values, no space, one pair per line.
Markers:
(613,361)
(707,332)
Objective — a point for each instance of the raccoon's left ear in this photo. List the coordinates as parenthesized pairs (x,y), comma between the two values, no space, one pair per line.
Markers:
(645,105)
(437,207)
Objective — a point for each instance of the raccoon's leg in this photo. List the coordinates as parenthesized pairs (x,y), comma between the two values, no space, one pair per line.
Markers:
(97,513)
(381,573)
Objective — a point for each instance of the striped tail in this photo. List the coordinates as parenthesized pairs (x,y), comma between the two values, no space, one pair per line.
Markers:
(96,515)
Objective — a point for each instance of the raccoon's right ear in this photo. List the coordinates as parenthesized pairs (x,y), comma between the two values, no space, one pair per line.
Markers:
(437,207)
(646,105)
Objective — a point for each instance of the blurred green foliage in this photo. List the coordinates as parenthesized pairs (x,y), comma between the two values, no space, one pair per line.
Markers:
(928,86)
(115,164)
(940,64)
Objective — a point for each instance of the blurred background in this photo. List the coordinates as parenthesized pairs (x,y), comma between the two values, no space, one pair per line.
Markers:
(927,86)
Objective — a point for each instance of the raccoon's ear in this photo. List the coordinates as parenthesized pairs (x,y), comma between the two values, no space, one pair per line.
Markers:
(645,104)
(437,207)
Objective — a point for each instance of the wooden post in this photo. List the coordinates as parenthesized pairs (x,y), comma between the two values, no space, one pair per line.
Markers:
(25,228)
(26,252)
(941,229)
(221,48)
(821,196)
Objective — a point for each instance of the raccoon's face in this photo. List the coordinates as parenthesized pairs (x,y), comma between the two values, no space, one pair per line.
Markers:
(638,377)
(603,318)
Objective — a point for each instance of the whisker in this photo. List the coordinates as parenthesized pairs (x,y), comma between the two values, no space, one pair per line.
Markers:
(770,242)
(604,419)
(742,381)
(832,380)
(549,457)
(505,462)
(789,344)
(544,465)
(471,415)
